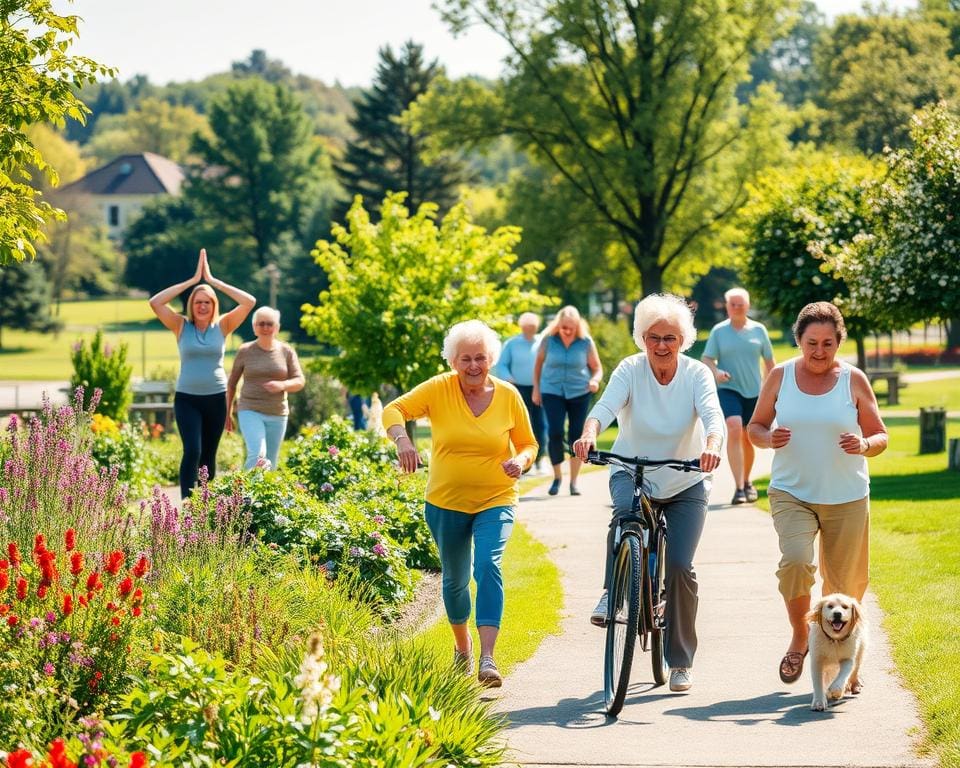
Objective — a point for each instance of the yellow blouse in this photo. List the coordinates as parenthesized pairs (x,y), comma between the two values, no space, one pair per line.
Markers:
(467,451)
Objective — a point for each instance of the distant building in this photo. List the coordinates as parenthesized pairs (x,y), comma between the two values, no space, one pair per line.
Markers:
(120,188)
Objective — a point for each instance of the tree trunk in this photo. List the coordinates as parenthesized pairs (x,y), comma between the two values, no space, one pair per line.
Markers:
(861,352)
(953,332)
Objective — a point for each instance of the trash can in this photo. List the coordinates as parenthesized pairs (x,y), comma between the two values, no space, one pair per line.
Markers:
(953,454)
(933,430)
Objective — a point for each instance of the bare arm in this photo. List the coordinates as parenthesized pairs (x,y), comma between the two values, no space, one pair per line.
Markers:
(874,440)
(596,368)
(245,301)
(764,414)
(768,366)
(158,302)
(720,375)
(537,370)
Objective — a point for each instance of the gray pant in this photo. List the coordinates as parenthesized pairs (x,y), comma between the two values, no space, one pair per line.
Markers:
(685,514)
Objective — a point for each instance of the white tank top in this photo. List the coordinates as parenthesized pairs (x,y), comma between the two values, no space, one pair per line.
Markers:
(812,466)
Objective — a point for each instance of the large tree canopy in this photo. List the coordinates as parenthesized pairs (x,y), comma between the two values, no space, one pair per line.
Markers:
(631,103)
(38,78)
(907,268)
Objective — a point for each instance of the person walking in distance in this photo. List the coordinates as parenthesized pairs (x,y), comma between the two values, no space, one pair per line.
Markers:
(200,398)
(733,352)
(516,366)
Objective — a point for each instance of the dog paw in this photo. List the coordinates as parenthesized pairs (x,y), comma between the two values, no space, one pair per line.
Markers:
(835,693)
(818,705)
(855,686)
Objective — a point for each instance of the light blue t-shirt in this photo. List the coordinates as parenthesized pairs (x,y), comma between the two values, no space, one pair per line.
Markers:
(516,360)
(738,353)
(565,371)
(201,360)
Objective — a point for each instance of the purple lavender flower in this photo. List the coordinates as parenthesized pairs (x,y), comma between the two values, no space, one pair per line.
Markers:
(379,550)
(51,617)
(354,551)
(326,488)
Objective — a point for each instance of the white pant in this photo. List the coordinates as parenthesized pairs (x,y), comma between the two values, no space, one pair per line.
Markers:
(262,434)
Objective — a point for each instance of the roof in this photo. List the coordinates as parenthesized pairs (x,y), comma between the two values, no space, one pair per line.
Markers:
(141,174)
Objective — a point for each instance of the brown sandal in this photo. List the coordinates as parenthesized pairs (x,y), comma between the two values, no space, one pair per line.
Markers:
(791,666)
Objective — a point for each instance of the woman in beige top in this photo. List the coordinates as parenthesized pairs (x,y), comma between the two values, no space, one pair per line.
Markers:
(270,369)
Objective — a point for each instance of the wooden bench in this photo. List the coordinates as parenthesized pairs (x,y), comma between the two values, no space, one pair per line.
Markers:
(894,384)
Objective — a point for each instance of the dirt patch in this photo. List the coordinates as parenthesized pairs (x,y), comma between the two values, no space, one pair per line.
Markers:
(425,608)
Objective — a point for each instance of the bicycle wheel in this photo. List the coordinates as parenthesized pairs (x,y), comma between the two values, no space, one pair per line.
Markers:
(624,608)
(658,577)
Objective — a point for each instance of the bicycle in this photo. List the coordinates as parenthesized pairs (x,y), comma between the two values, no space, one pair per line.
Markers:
(636,595)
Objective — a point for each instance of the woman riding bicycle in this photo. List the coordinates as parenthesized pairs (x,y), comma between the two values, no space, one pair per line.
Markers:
(664,403)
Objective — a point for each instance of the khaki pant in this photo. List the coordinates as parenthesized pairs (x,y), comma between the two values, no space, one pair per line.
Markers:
(844,544)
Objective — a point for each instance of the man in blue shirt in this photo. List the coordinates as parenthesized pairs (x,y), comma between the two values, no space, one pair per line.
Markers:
(516,366)
(733,353)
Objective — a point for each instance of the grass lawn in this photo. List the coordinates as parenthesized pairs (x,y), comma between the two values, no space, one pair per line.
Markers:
(915,573)
(29,356)
(945,394)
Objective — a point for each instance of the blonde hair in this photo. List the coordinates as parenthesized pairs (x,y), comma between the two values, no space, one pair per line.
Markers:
(569,312)
(668,308)
(204,288)
(471,331)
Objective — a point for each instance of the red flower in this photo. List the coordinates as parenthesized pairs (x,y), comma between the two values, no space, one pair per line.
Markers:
(138,760)
(14,553)
(22,587)
(48,569)
(76,563)
(67,605)
(4,609)
(39,545)
(83,600)
(4,564)
(42,591)
(112,606)
(114,563)
(137,595)
(141,568)
(57,755)
(126,587)
(93,582)
(115,620)
(20,758)
(70,538)
(137,610)
(12,620)
(98,675)
(4,581)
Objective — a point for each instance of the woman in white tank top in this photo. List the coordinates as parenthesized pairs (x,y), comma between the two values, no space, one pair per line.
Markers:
(820,415)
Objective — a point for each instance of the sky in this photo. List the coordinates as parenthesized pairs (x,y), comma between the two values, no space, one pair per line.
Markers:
(331,40)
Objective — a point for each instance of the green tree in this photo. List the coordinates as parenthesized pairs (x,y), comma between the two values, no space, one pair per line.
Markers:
(796,220)
(398,285)
(875,71)
(37,81)
(153,126)
(102,366)
(24,298)
(631,103)
(907,268)
(259,170)
(387,154)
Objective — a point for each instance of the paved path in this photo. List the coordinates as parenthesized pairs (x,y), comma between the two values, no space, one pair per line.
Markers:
(738,712)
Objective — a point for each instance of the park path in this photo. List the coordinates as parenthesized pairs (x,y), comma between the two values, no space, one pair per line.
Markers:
(738,713)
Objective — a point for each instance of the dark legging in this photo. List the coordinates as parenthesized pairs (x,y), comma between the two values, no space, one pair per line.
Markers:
(559,410)
(200,421)
(536,417)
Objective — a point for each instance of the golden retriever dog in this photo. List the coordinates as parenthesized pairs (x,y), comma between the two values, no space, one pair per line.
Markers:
(838,638)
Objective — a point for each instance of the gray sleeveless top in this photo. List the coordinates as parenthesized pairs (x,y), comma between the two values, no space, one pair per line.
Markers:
(201,360)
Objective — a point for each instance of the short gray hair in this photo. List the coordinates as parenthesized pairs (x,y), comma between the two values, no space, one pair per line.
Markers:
(471,331)
(669,308)
(741,292)
(529,318)
(261,311)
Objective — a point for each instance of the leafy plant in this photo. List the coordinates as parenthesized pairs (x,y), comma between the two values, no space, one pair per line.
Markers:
(123,446)
(102,366)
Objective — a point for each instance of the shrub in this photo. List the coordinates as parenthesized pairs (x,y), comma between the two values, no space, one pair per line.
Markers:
(100,366)
(69,624)
(92,748)
(123,446)
(320,399)
(614,342)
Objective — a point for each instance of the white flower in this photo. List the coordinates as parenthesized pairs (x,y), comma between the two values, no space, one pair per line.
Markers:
(317,688)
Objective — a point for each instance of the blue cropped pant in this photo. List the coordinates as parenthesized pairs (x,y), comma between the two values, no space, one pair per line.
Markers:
(487,532)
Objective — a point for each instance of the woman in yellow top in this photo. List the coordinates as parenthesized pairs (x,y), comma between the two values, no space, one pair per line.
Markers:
(481,443)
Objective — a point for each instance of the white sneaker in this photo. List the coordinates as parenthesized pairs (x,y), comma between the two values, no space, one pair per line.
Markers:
(488,675)
(599,616)
(681,679)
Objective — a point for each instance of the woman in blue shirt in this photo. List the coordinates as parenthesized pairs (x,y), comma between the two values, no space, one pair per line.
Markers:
(566,373)
(200,401)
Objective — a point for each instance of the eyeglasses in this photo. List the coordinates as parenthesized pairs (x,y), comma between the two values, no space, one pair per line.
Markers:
(654,341)
(265,324)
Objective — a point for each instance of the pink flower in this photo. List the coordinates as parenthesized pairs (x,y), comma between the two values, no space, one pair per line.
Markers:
(49,670)
(379,550)
(333,450)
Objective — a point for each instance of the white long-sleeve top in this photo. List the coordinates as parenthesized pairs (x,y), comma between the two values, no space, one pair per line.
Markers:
(661,421)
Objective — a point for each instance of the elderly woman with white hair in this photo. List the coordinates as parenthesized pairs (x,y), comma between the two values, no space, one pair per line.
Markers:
(481,443)
(666,406)
(270,369)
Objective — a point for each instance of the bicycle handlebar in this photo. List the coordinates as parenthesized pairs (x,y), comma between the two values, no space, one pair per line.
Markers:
(605,457)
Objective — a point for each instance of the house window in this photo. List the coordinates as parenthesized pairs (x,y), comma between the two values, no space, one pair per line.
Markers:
(113,215)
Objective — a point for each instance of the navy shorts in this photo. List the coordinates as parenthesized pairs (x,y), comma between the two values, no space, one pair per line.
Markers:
(734,404)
